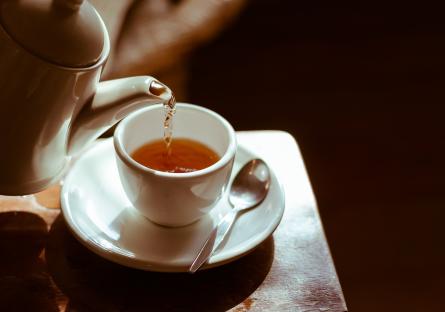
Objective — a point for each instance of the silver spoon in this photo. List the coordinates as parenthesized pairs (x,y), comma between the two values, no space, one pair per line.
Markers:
(248,189)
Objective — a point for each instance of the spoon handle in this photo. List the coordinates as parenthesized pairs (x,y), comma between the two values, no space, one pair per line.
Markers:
(223,228)
(214,240)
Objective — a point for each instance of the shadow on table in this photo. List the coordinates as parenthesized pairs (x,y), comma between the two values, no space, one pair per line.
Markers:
(92,283)
(25,284)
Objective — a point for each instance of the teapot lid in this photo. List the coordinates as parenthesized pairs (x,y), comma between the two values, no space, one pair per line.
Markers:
(65,32)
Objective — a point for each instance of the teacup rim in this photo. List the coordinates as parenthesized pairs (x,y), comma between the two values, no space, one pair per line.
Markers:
(228,156)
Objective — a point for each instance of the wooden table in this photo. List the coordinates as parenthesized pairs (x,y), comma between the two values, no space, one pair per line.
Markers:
(44,268)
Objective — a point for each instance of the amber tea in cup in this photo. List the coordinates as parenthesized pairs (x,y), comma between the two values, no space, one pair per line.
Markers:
(181,156)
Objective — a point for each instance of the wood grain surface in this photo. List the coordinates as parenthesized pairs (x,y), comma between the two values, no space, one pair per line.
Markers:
(44,268)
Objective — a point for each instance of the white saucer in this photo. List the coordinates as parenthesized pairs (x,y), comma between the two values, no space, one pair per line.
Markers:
(101,217)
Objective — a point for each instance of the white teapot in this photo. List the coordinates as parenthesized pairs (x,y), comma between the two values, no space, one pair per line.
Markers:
(52,53)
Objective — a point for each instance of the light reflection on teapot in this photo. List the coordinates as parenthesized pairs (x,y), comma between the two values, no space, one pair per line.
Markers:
(52,104)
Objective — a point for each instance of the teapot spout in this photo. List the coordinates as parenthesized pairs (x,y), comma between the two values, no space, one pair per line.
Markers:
(113,101)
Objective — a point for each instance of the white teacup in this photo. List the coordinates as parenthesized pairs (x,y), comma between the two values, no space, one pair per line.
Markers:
(174,199)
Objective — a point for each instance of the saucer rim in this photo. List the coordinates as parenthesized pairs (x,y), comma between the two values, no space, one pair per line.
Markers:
(116,256)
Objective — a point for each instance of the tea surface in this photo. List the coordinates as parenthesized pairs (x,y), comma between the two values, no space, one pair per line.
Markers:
(182,155)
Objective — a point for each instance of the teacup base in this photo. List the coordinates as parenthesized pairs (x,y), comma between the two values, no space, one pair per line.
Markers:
(171,225)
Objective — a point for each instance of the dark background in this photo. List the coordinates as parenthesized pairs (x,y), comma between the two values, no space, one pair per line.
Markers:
(361,88)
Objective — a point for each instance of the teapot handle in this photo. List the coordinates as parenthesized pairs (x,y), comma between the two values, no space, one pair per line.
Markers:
(114,100)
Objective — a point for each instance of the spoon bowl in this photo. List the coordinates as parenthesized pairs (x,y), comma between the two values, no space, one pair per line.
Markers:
(250,186)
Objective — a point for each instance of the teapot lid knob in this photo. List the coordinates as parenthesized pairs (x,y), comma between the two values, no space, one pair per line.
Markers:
(69,33)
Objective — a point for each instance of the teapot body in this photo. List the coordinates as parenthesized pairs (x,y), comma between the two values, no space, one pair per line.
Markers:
(38,104)
(52,105)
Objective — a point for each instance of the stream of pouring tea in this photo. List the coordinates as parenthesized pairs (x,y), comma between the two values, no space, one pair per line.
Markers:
(170,109)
